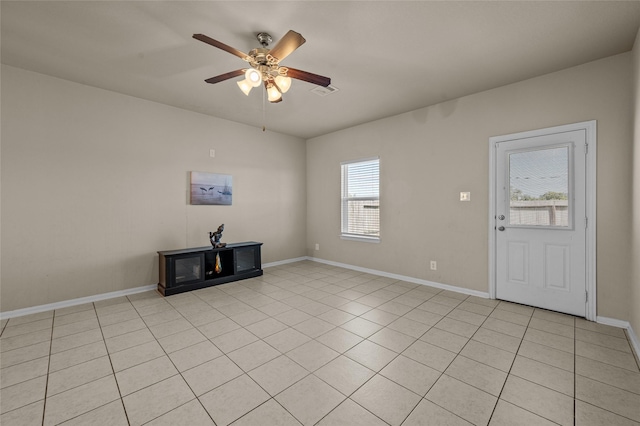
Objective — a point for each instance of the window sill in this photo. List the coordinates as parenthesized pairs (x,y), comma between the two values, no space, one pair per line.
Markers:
(360,238)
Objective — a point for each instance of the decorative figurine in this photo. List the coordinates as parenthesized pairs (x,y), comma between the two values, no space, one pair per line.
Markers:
(214,237)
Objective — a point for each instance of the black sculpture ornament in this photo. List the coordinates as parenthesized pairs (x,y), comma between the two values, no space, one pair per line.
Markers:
(214,237)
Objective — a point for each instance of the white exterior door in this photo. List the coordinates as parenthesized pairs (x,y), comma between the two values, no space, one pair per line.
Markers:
(541,221)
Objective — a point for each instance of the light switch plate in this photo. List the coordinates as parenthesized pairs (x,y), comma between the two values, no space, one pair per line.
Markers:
(465,196)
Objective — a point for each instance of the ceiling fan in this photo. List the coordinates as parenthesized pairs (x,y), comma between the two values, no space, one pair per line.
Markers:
(265,65)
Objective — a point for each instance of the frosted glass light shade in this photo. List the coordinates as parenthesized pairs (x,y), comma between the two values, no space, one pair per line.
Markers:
(253,77)
(284,83)
(245,86)
(273,94)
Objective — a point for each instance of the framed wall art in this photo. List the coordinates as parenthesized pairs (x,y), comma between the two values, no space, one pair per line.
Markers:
(210,189)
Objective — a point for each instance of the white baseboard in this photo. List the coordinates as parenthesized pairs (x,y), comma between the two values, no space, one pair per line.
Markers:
(635,343)
(73,302)
(633,338)
(97,297)
(466,291)
(612,322)
(104,296)
(284,262)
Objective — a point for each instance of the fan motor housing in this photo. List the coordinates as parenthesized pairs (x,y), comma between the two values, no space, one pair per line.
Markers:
(259,55)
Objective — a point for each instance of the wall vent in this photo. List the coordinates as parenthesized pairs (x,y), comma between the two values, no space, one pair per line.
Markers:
(324,91)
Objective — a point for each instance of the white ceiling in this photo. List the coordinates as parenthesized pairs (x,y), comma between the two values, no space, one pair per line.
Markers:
(385,58)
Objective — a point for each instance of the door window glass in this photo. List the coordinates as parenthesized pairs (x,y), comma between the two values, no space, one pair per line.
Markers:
(539,187)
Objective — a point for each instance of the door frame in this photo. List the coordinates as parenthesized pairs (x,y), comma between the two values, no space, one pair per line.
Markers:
(590,208)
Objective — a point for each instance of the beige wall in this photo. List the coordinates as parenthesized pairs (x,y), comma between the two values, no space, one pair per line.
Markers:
(94,183)
(635,280)
(428,156)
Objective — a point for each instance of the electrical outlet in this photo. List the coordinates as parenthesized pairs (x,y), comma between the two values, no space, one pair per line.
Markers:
(317,246)
(212,153)
(434,265)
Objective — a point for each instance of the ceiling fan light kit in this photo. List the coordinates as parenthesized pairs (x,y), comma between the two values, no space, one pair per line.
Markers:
(253,77)
(283,83)
(265,65)
(273,94)
(245,86)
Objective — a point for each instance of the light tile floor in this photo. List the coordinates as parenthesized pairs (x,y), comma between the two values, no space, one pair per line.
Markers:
(313,344)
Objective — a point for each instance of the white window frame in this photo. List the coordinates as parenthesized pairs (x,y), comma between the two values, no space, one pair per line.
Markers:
(345,199)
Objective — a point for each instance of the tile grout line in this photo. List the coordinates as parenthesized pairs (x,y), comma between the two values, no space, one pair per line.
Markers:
(146,326)
(310,373)
(258,384)
(461,349)
(254,381)
(197,398)
(494,308)
(445,369)
(156,339)
(6,323)
(516,354)
(419,339)
(104,340)
(510,368)
(231,360)
(235,296)
(348,397)
(575,382)
(46,386)
(416,339)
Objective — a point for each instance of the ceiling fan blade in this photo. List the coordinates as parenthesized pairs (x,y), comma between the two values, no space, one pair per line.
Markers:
(287,44)
(308,77)
(225,76)
(215,43)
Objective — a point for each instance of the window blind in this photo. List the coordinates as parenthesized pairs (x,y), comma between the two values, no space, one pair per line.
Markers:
(361,199)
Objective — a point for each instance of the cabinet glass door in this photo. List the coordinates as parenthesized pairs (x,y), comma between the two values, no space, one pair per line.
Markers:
(187,269)
(245,259)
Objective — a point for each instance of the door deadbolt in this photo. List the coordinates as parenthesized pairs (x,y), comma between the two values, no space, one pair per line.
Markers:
(501,217)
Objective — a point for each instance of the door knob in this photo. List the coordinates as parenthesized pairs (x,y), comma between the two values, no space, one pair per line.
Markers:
(501,228)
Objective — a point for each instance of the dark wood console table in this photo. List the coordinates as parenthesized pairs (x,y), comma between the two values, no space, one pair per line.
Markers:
(194,268)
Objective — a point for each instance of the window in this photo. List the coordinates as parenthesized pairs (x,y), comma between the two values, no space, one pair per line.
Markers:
(361,199)
(540,188)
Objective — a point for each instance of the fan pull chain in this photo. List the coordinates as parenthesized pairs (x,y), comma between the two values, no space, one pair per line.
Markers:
(264,107)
